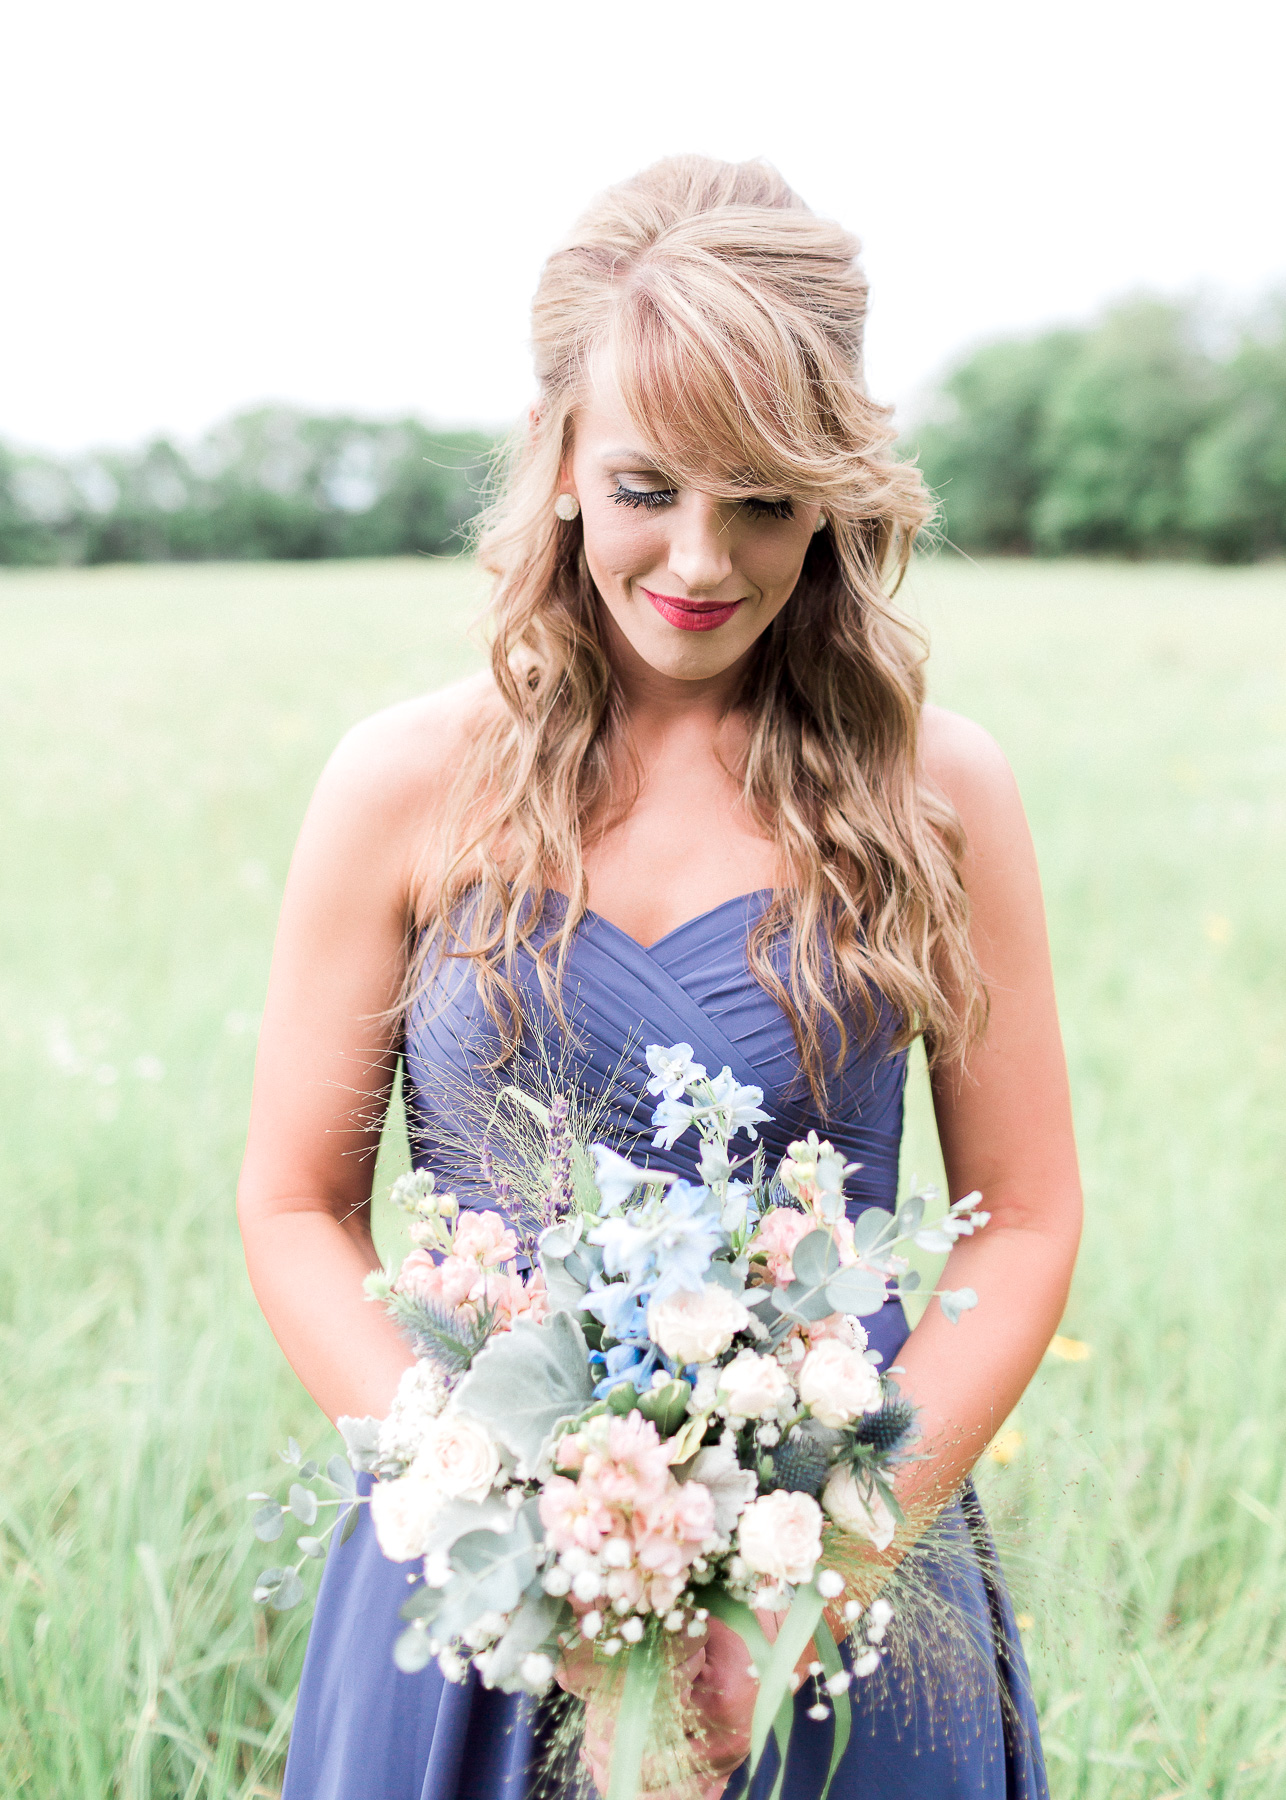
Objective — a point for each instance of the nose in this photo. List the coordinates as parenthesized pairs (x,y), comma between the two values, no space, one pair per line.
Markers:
(700,544)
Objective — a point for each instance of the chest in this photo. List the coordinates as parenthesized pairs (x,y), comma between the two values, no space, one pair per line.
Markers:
(685,846)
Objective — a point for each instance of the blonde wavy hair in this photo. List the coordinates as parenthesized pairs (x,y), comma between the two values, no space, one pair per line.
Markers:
(732,319)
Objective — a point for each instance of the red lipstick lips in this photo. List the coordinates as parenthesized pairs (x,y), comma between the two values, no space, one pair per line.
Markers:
(692,615)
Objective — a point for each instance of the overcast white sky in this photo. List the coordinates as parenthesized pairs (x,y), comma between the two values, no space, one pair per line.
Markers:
(347,206)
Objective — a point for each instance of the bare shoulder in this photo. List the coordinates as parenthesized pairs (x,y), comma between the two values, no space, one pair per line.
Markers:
(967,766)
(383,789)
(406,755)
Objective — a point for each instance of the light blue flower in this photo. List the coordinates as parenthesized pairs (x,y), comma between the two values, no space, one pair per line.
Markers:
(736,1201)
(617,1179)
(671,1119)
(673,1070)
(739,1106)
(617,1307)
(664,1245)
(632,1362)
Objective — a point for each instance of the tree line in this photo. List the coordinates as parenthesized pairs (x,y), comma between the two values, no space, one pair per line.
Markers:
(1146,434)
(273,482)
(1143,434)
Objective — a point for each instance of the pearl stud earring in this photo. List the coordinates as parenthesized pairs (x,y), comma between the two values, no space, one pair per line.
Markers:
(820,525)
(567,508)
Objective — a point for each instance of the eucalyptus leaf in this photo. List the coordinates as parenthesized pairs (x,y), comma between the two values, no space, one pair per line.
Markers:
(724,1275)
(935,1241)
(799,1301)
(816,1258)
(956,1301)
(268,1582)
(303,1503)
(525,1380)
(872,1227)
(311,1546)
(350,1523)
(411,1650)
(857,1290)
(292,1453)
(341,1476)
(909,1282)
(307,1470)
(289,1592)
(424,1602)
(911,1213)
(267,1523)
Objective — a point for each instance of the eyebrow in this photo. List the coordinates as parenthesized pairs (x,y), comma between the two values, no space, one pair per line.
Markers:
(641,459)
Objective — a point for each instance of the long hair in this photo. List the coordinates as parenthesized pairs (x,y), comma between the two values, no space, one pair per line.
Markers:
(732,319)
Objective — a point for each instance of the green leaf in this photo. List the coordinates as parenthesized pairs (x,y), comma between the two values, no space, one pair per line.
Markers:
(267,1523)
(307,1470)
(667,1406)
(411,1650)
(856,1290)
(311,1546)
(303,1503)
(633,1720)
(350,1523)
(909,1282)
(816,1258)
(525,1381)
(872,1226)
(292,1453)
(936,1242)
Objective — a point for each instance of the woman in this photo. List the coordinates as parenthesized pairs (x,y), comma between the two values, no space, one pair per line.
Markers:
(698,797)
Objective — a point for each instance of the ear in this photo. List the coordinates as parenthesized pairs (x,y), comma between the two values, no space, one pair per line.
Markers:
(533,419)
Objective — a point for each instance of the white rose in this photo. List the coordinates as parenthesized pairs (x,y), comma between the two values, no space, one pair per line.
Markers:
(695,1328)
(837,1383)
(858,1507)
(459,1456)
(780,1536)
(754,1386)
(404,1513)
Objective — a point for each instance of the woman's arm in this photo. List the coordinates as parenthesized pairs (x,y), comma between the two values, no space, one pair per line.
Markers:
(327,1050)
(1005,1125)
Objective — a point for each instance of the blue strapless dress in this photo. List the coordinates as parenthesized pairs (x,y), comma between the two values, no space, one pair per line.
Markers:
(953,1722)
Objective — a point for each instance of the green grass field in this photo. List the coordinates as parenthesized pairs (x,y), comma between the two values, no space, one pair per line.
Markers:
(162,729)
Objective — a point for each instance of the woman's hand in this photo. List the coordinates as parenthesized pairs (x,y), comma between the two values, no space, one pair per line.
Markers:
(714,1687)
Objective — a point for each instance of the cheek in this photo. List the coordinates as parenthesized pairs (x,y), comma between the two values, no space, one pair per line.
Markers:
(620,540)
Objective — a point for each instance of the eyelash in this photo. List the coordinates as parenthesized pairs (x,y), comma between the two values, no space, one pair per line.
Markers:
(654,497)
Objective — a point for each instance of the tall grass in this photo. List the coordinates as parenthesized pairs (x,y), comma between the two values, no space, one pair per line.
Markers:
(162,731)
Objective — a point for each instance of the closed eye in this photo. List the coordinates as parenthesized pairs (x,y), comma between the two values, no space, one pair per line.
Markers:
(648,497)
(770,509)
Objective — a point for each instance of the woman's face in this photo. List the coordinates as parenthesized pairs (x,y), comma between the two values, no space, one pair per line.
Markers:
(689,580)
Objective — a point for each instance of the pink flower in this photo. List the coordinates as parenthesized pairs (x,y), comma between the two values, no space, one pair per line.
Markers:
(573,1514)
(780,1231)
(514,1298)
(843,1327)
(447,1283)
(485,1238)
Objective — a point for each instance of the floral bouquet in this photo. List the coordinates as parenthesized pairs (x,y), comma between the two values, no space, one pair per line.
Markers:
(671,1414)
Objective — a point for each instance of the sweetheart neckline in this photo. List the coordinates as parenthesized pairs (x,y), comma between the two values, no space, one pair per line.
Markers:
(686,925)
